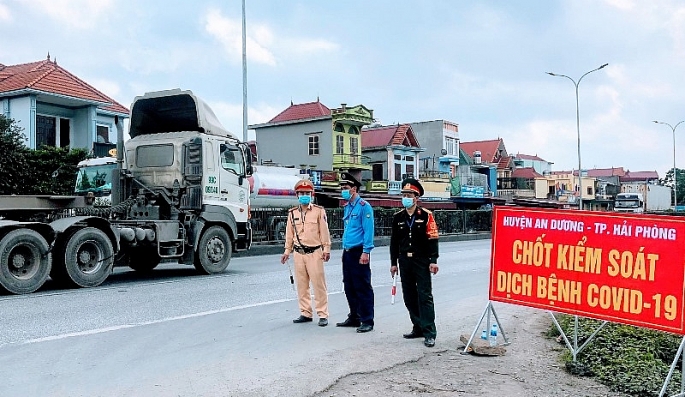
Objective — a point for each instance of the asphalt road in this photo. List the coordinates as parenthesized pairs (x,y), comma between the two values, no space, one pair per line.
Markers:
(178,334)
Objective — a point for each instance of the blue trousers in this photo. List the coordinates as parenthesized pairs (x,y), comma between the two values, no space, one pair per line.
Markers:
(358,289)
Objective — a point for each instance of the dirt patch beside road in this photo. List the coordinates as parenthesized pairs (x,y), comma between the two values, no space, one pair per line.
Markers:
(531,367)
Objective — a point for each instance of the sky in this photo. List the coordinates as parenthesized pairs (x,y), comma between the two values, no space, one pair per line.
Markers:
(480,64)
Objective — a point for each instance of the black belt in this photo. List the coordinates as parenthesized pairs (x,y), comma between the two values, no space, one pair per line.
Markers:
(354,248)
(305,249)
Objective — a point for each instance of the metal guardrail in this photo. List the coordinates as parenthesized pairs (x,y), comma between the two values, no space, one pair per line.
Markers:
(268,225)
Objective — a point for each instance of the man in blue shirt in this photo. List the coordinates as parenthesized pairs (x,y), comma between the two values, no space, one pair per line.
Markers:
(357,244)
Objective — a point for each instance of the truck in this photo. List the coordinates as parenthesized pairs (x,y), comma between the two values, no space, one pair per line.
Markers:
(271,190)
(643,197)
(181,194)
(94,177)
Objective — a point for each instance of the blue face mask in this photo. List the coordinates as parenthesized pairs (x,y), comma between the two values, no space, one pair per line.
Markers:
(407,202)
(304,200)
(346,194)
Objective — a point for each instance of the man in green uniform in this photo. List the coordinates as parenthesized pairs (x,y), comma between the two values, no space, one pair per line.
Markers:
(414,245)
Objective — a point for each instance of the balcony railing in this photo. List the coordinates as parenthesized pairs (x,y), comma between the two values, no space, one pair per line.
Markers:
(339,159)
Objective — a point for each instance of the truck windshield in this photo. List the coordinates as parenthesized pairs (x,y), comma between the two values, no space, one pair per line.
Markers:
(95,178)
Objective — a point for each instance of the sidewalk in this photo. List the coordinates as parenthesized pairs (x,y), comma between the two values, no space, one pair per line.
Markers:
(276,247)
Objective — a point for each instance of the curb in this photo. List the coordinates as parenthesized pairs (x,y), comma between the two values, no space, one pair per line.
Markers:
(277,246)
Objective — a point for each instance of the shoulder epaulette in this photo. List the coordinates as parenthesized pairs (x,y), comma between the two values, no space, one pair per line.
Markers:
(426,211)
(362,201)
(292,209)
(317,206)
(398,212)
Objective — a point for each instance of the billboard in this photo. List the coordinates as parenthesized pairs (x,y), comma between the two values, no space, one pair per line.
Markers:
(623,268)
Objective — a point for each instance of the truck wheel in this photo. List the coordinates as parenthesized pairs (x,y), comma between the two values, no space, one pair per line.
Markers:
(25,261)
(85,260)
(214,251)
(143,259)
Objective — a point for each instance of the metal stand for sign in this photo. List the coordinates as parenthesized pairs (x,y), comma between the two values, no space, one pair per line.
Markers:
(574,348)
(678,355)
(489,309)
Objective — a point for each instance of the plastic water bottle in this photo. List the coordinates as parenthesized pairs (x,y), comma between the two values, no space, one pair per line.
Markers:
(484,335)
(493,335)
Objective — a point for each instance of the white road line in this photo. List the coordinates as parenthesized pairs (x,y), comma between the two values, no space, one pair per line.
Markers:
(163,320)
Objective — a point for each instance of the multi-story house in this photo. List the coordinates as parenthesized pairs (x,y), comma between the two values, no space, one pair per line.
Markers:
(540,166)
(312,136)
(493,153)
(440,139)
(393,154)
(56,108)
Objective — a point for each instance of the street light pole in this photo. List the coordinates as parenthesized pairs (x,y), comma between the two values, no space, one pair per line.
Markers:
(675,172)
(580,174)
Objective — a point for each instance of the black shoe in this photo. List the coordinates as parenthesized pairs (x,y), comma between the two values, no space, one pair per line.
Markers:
(413,335)
(302,319)
(365,328)
(429,342)
(323,322)
(348,323)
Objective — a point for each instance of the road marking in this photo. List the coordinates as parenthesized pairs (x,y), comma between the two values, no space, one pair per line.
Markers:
(163,320)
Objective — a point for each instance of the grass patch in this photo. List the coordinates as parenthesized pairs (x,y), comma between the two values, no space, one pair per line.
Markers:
(628,359)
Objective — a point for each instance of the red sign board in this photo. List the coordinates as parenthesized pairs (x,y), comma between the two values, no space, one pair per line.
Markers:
(623,268)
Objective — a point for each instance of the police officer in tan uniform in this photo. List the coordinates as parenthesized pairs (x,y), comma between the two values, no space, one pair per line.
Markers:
(307,235)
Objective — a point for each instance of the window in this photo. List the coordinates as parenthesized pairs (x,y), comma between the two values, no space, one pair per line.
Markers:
(409,158)
(155,155)
(377,172)
(589,190)
(398,172)
(102,134)
(410,170)
(397,157)
(451,146)
(339,144)
(313,145)
(64,132)
(353,130)
(231,159)
(338,128)
(354,147)
(46,131)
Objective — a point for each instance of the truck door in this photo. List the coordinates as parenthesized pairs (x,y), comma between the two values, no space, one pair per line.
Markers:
(233,185)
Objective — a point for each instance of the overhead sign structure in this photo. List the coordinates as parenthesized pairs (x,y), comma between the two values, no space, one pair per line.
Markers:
(621,268)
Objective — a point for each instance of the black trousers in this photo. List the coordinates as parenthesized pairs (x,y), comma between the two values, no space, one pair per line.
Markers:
(417,293)
(358,289)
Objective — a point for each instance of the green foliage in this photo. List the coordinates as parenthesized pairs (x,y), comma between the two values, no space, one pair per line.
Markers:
(628,359)
(12,156)
(49,170)
(680,179)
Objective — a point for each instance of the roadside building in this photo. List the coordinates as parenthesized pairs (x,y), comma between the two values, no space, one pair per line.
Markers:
(56,108)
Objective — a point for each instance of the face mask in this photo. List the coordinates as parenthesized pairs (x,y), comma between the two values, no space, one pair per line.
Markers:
(407,202)
(346,194)
(305,200)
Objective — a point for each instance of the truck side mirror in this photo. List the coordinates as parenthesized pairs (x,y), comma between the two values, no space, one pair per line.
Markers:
(247,155)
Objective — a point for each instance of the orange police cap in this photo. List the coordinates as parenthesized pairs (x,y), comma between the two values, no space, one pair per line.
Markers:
(304,185)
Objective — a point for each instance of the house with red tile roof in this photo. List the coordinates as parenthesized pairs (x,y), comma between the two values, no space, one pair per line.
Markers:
(393,154)
(56,108)
(490,151)
(313,136)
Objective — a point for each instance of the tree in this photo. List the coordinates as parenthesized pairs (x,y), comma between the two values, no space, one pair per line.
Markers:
(49,170)
(13,166)
(680,179)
